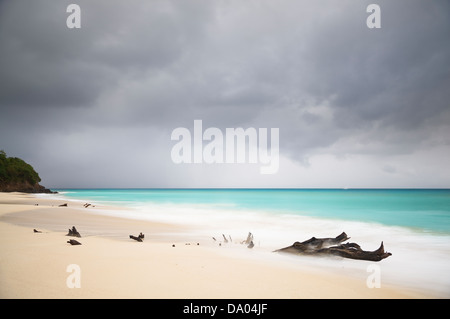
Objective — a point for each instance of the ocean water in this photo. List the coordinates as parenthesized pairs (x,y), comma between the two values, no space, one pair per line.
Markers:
(413,224)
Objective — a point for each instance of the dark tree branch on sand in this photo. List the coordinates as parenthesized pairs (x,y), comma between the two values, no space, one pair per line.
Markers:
(139,238)
(136,238)
(73,242)
(73,232)
(320,247)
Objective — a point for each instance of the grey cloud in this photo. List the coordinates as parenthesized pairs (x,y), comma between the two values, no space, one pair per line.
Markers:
(311,68)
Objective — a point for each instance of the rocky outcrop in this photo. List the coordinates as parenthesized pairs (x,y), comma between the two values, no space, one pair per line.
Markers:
(25,187)
(16,175)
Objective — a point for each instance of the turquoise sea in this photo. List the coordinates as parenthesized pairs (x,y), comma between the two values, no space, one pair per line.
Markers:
(413,224)
(425,210)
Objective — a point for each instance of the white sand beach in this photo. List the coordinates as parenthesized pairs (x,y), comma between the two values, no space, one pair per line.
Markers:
(165,265)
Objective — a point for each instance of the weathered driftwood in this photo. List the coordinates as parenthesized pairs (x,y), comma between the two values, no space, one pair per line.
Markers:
(313,244)
(249,238)
(319,247)
(354,251)
(73,242)
(224,238)
(73,232)
(138,238)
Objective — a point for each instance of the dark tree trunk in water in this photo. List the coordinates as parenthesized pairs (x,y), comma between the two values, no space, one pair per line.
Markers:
(320,247)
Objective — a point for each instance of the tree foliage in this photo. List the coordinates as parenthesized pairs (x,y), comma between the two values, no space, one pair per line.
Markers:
(15,170)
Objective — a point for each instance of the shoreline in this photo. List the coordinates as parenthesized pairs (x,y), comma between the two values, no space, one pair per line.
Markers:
(33,265)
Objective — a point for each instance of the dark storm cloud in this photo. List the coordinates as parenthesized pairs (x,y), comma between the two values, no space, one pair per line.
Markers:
(399,78)
(138,69)
(38,69)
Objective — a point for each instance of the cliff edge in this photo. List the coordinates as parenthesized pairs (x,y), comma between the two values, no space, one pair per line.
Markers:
(18,176)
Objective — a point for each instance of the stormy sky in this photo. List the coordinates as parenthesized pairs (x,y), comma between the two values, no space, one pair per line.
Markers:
(355,107)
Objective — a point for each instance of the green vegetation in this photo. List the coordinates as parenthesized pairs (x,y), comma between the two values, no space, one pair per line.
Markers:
(14,170)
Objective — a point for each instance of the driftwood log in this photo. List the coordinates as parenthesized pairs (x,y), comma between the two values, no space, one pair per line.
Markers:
(73,232)
(249,241)
(139,238)
(136,238)
(225,240)
(321,247)
(249,238)
(73,242)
